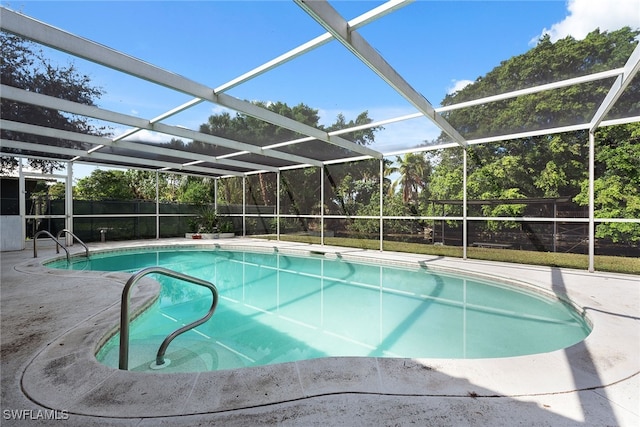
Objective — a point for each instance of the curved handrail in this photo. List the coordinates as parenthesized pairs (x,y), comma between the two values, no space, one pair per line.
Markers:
(124,312)
(35,244)
(75,237)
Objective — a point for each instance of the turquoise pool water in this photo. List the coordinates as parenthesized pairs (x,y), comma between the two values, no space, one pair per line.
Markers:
(277,308)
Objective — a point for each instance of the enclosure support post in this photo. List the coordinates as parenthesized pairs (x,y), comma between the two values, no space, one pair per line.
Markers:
(555,225)
(22,199)
(215,195)
(442,223)
(278,207)
(592,228)
(322,205)
(381,201)
(244,205)
(464,204)
(68,204)
(158,205)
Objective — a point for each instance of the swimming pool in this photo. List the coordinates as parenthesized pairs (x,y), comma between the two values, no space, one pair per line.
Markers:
(277,307)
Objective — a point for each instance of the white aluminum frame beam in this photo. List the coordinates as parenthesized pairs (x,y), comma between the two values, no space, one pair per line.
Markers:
(102,141)
(624,74)
(534,89)
(21,95)
(71,152)
(541,132)
(357,22)
(83,48)
(33,98)
(333,22)
(617,89)
(321,40)
(507,95)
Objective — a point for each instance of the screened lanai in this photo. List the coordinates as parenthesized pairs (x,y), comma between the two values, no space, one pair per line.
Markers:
(333,47)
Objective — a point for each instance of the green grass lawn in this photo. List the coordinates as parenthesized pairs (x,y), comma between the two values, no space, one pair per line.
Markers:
(602,263)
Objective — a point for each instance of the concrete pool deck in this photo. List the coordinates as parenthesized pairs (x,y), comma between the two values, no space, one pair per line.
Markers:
(53,320)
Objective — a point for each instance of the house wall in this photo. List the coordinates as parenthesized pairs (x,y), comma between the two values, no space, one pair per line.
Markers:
(11,233)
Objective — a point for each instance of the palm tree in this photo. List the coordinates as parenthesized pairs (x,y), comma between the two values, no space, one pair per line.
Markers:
(414,170)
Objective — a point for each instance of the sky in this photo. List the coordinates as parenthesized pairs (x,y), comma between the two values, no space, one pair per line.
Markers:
(437,46)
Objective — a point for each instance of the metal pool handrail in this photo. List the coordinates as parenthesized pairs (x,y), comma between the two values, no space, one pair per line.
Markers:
(35,244)
(75,237)
(124,312)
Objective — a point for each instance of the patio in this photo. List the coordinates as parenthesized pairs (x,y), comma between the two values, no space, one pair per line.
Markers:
(53,320)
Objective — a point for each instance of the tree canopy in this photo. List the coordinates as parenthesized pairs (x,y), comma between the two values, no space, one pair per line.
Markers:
(25,67)
(300,186)
(549,165)
(134,184)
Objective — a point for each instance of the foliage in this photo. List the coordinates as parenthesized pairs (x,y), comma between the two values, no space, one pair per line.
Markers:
(141,185)
(226,226)
(24,67)
(300,191)
(546,62)
(261,189)
(57,191)
(195,190)
(414,172)
(445,181)
(350,186)
(393,206)
(206,221)
(104,185)
(230,190)
(549,165)
(300,187)
(617,183)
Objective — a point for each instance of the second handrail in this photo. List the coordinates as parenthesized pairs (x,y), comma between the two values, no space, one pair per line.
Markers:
(124,312)
(75,237)
(35,244)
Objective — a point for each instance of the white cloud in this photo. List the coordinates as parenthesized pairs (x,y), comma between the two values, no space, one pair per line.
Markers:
(216,110)
(584,16)
(148,136)
(458,85)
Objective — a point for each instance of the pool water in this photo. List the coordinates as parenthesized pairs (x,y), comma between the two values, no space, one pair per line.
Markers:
(277,308)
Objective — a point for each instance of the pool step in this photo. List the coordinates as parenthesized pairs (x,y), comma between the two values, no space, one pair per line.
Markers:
(185,354)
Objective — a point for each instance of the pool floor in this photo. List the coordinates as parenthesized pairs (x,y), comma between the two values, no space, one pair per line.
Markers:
(277,308)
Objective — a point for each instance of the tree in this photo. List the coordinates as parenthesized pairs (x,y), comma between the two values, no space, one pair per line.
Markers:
(104,185)
(141,183)
(300,187)
(414,176)
(230,190)
(134,184)
(393,206)
(57,190)
(549,165)
(197,190)
(24,67)
(617,183)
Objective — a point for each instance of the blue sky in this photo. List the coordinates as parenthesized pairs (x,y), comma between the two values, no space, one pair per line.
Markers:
(435,45)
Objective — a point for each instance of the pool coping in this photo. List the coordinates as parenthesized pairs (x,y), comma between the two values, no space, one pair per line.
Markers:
(65,374)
